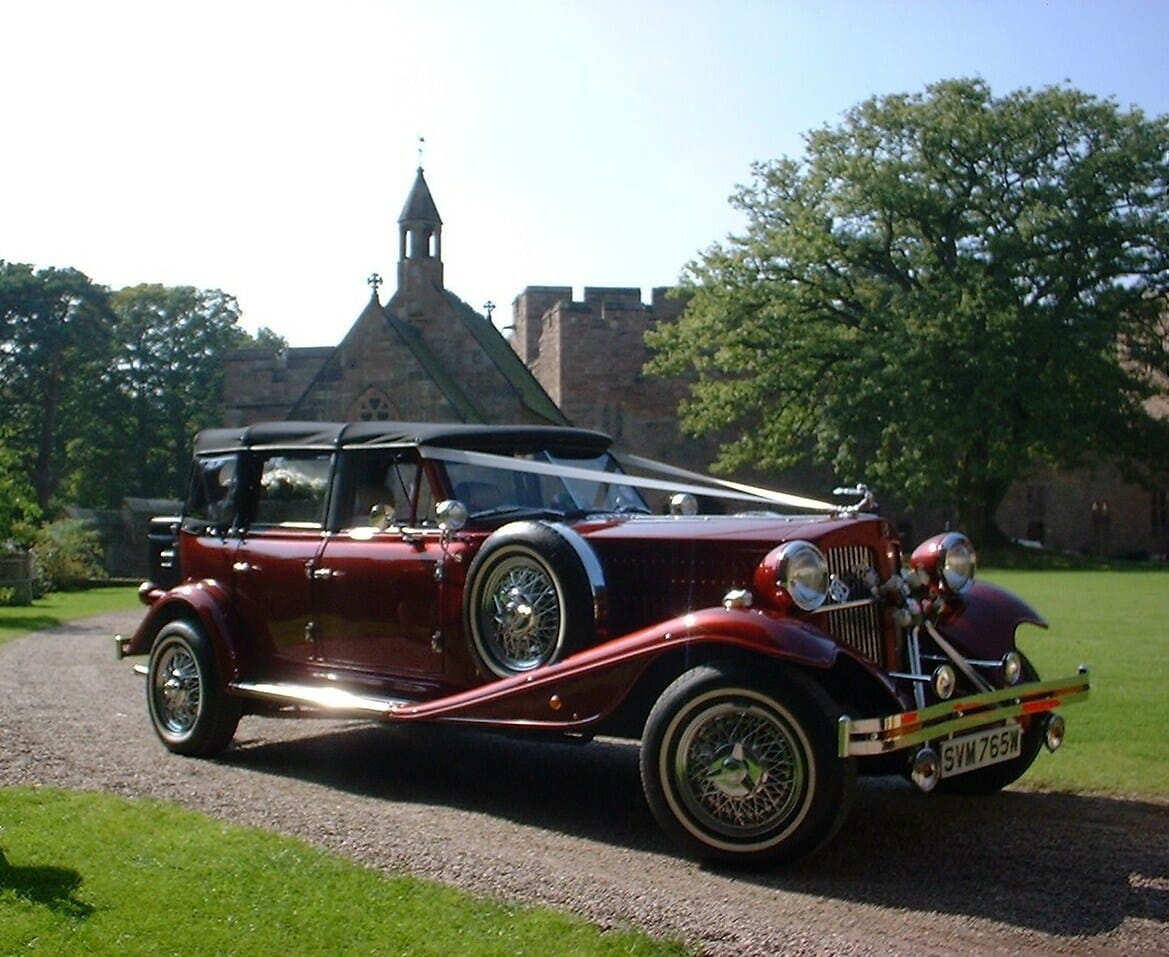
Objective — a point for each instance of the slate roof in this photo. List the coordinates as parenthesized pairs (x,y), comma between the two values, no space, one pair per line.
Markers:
(420,206)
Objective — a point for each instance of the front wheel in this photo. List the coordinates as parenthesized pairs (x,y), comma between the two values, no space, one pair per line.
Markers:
(741,767)
(187,706)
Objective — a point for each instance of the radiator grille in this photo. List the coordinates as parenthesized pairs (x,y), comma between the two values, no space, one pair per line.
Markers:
(858,626)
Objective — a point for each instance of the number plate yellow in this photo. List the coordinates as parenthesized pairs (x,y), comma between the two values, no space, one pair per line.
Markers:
(974,751)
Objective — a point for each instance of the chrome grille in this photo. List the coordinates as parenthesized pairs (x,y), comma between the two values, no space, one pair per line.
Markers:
(855,625)
(858,626)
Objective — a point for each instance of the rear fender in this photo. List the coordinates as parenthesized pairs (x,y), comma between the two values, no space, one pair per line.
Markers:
(587,687)
(203,602)
(984,620)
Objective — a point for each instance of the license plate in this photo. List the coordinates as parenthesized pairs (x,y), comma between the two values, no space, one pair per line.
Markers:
(974,751)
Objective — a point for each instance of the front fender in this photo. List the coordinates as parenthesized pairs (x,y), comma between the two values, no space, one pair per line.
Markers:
(203,601)
(983,622)
(587,687)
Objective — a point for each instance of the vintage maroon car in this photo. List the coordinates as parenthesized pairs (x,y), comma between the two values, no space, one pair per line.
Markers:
(522,579)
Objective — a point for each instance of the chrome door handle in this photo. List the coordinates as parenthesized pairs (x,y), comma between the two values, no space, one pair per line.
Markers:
(242,568)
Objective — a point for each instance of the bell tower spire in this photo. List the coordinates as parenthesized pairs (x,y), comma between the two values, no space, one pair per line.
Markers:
(419,235)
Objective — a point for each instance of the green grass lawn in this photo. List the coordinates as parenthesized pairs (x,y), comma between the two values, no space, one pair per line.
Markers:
(1116,623)
(58,607)
(98,875)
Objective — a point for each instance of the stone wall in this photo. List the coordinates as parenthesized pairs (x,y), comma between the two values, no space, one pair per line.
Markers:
(589,355)
(1089,512)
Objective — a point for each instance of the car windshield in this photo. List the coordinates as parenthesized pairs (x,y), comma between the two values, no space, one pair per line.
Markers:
(527,484)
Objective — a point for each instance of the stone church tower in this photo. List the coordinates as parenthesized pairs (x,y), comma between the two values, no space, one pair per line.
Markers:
(589,355)
(425,355)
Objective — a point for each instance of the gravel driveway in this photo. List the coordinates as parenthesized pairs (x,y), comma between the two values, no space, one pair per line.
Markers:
(566,826)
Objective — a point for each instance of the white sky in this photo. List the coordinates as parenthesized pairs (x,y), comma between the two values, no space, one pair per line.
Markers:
(266,148)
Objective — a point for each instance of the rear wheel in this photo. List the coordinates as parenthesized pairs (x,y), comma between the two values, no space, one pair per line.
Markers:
(741,768)
(187,706)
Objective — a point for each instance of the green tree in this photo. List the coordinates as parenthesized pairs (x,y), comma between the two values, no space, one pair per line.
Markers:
(54,342)
(946,289)
(163,385)
(19,512)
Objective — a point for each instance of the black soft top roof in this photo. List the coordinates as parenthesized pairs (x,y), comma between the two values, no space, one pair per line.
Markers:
(576,443)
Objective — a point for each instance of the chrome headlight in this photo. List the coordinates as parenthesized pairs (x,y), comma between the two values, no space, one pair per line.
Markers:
(802,572)
(959,563)
(948,560)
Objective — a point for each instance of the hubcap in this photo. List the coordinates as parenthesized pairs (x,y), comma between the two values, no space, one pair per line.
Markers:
(738,773)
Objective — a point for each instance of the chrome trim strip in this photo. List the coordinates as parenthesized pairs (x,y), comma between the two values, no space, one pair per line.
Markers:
(869,736)
(312,696)
(841,606)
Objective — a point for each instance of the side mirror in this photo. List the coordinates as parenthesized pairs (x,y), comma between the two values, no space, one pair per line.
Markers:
(451,515)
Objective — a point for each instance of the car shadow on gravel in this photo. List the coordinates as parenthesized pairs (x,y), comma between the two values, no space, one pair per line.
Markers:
(1058,864)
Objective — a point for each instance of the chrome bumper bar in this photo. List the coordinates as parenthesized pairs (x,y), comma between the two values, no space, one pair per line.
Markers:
(869,736)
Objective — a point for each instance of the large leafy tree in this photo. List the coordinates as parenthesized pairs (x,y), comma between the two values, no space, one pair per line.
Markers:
(101,392)
(163,385)
(944,290)
(54,341)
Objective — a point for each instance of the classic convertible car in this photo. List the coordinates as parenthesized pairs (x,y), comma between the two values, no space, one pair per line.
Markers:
(525,579)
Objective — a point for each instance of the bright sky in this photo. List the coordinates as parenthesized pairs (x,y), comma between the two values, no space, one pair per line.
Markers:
(266,148)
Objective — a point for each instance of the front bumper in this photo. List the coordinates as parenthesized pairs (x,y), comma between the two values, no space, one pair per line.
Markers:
(870,736)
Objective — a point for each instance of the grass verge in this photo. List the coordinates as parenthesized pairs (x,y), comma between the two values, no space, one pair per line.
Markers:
(98,875)
(58,607)
(1115,623)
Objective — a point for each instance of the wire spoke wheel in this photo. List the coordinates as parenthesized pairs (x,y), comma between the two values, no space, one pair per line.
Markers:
(739,769)
(529,600)
(739,764)
(521,614)
(190,712)
(177,687)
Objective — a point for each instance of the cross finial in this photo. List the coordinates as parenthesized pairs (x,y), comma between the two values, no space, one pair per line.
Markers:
(421,146)
(374,281)
(488,306)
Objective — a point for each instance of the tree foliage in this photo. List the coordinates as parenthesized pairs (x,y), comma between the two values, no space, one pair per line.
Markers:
(19,512)
(163,385)
(101,392)
(55,339)
(945,289)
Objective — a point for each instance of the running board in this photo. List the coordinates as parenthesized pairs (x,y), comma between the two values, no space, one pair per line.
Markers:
(324,698)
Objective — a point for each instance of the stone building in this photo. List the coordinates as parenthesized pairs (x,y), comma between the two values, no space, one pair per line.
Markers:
(423,356)
(589,355)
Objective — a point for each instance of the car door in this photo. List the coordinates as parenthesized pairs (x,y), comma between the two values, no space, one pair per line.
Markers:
(281,535)
(375,584)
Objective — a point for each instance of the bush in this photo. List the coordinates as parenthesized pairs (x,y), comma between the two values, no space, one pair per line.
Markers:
(66,555)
